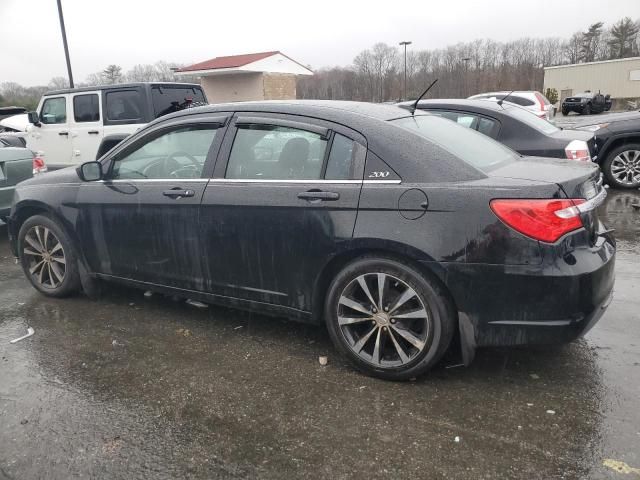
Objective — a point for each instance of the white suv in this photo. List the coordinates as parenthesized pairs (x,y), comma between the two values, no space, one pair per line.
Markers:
(530,100)
(78,125)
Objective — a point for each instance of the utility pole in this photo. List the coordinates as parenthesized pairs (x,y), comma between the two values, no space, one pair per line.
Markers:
(405,67)
(64,43)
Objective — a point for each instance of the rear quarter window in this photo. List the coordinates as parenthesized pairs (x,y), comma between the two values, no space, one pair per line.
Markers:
(167,99)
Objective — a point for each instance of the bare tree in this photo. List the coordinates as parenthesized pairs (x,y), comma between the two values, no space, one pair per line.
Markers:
(112,74)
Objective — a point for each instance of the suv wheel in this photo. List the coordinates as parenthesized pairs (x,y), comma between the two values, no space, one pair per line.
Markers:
(622,166)
(587,109)
(387,319)
(565,112)
(47,256)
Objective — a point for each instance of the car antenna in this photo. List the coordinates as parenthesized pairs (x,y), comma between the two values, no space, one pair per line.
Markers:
(415,105)
(505,97)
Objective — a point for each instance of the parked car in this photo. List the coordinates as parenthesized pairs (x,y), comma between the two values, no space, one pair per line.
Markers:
(395,230)
(586,103)
(6,112)
(514,127)
(618,145)
(15,127)
(533,101)
(16,165)
(78,125)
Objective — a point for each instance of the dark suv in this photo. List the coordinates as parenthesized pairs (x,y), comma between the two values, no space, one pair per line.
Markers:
(586,103)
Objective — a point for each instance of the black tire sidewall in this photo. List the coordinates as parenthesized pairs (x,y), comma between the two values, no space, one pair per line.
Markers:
(71,280)
(606,166)
(587,110)
(436,304)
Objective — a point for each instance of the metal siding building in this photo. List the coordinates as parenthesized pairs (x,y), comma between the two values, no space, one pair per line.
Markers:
(620,78)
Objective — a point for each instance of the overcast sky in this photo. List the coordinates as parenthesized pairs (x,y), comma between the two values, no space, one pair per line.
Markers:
(319,33)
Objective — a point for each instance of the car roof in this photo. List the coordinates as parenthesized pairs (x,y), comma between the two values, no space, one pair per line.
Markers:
(459,103)
(118,85)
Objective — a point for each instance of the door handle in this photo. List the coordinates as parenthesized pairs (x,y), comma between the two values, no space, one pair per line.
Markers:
(93,132)
(63,133)
(318,195)
(177,193)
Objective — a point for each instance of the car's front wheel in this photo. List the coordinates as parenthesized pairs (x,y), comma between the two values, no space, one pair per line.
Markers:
(388,319)
(622,166)
(48,257)
(565,112)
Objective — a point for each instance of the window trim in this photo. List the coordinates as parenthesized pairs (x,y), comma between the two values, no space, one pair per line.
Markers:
(66,117)
(244,120)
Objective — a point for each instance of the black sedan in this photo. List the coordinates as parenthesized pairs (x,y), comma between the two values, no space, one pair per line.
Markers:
(617,140)
(586,103)
(513,126)
(399,232)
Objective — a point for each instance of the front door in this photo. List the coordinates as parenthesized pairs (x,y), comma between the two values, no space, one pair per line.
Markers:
(52,137)
(282,201)
(141,222)
(87,129)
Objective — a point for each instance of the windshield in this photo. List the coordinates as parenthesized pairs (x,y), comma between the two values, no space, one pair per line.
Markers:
(532,120)
(468,145)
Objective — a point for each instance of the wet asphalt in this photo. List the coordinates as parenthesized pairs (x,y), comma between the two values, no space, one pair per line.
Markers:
(135,387)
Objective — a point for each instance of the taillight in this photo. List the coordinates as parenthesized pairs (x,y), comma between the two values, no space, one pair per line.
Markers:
(578,150)
(544,220)
(541,102)
(38,164)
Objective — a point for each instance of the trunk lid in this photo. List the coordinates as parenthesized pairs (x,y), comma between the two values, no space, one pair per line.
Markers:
(577,180)
(584,135)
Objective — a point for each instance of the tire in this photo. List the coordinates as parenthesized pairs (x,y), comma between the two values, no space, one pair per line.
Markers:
(41,241)
(565,112)
(374,341)
(625,156)
(587,109)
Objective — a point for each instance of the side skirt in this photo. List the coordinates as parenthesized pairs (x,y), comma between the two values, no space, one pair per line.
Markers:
(241,304)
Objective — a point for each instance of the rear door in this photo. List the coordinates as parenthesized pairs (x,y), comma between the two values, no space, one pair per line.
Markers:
(141,222)
(282,202)
(86,126)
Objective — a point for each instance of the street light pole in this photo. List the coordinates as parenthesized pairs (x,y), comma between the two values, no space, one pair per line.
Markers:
(405,43)
(64,43)
(466,75)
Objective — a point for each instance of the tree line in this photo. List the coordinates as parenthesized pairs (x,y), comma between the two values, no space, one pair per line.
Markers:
(12,93)
(377,74)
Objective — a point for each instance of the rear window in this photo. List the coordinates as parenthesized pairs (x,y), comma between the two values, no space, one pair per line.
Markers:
(468,145)
(533,121)
(172,99)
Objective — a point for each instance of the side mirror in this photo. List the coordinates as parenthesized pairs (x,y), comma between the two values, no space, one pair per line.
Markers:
(90,171)
(34,118)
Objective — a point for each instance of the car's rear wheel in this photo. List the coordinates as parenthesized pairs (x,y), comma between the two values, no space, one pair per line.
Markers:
(48,257)
(622,166)
(388,319)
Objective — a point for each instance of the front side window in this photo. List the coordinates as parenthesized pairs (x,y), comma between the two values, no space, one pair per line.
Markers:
(123,106)
(270,152)
(54,110)
(180,153)
(86,108)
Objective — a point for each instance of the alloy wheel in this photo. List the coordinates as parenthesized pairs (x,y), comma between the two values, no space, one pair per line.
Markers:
(625,168)
(45,257)
(383,320)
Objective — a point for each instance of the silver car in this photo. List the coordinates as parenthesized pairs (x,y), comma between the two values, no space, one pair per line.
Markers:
(531,100)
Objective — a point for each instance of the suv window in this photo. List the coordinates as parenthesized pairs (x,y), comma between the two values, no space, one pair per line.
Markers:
(270,152)
(180,153)
(54,110)
(523,102)
(123,105)
(85,108)
(167,99)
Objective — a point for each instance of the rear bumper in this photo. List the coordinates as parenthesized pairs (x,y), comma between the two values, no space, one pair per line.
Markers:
(555,302)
